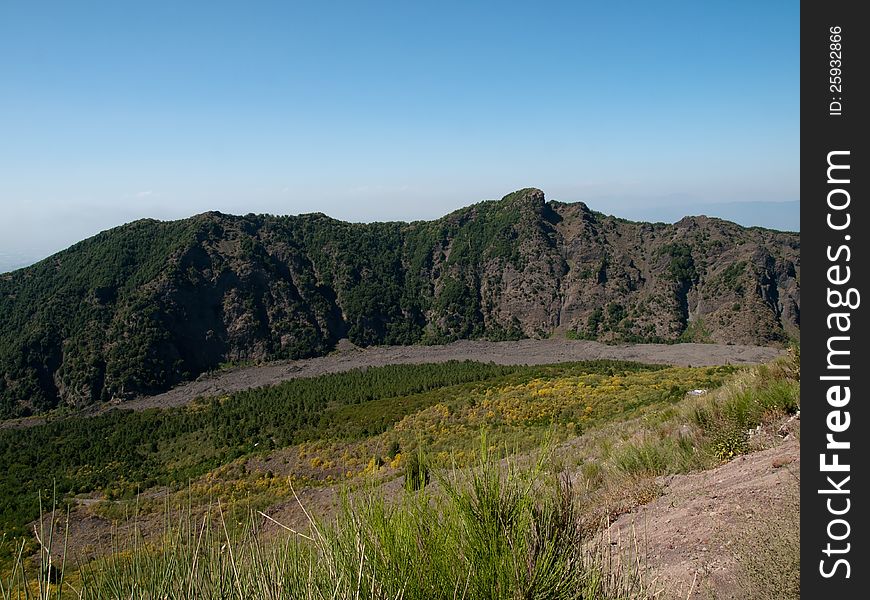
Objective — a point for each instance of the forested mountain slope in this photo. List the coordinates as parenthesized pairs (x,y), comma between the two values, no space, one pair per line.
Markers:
(141,307)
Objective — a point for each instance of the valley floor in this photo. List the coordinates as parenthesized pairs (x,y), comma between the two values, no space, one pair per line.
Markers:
(522,352)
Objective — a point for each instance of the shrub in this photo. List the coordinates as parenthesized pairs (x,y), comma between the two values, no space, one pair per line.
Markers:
(393,449)
(416,472)
(644,458)
(731,443)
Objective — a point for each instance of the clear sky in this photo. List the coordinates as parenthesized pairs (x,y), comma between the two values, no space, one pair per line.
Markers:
(111,111)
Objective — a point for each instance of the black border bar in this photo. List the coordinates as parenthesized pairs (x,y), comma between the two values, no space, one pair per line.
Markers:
(835,420)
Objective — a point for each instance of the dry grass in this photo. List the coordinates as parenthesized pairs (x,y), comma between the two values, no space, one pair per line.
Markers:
(769,552)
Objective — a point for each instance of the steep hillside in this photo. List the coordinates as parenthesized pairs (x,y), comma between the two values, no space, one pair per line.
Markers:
(141,307)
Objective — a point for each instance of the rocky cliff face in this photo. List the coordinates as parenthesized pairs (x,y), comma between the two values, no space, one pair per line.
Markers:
(576,271)
(141,307)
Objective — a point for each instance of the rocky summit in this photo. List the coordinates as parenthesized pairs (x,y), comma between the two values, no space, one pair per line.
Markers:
(139,308)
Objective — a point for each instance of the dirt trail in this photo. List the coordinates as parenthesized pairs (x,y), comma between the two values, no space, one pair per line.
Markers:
(527,352)
(689,536)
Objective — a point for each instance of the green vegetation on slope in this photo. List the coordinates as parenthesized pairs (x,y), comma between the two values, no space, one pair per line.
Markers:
(495,530)
(495,533)
(121,452)
(141,307)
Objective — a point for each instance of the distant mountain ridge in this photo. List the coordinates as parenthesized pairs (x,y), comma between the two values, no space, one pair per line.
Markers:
(12,261)
(783,216)
(144,306)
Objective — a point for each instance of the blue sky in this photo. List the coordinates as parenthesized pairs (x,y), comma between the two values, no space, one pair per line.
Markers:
(111,111)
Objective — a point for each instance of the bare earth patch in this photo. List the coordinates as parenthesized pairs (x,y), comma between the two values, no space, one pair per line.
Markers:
(523,352)
(689,536)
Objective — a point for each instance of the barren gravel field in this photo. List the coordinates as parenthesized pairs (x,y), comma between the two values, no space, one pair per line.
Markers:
(523,352)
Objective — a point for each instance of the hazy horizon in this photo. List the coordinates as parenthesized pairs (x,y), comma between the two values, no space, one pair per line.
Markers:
(783,216)
(391,111)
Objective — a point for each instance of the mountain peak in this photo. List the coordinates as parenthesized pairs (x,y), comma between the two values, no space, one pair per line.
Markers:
(144,306)
(530,195)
